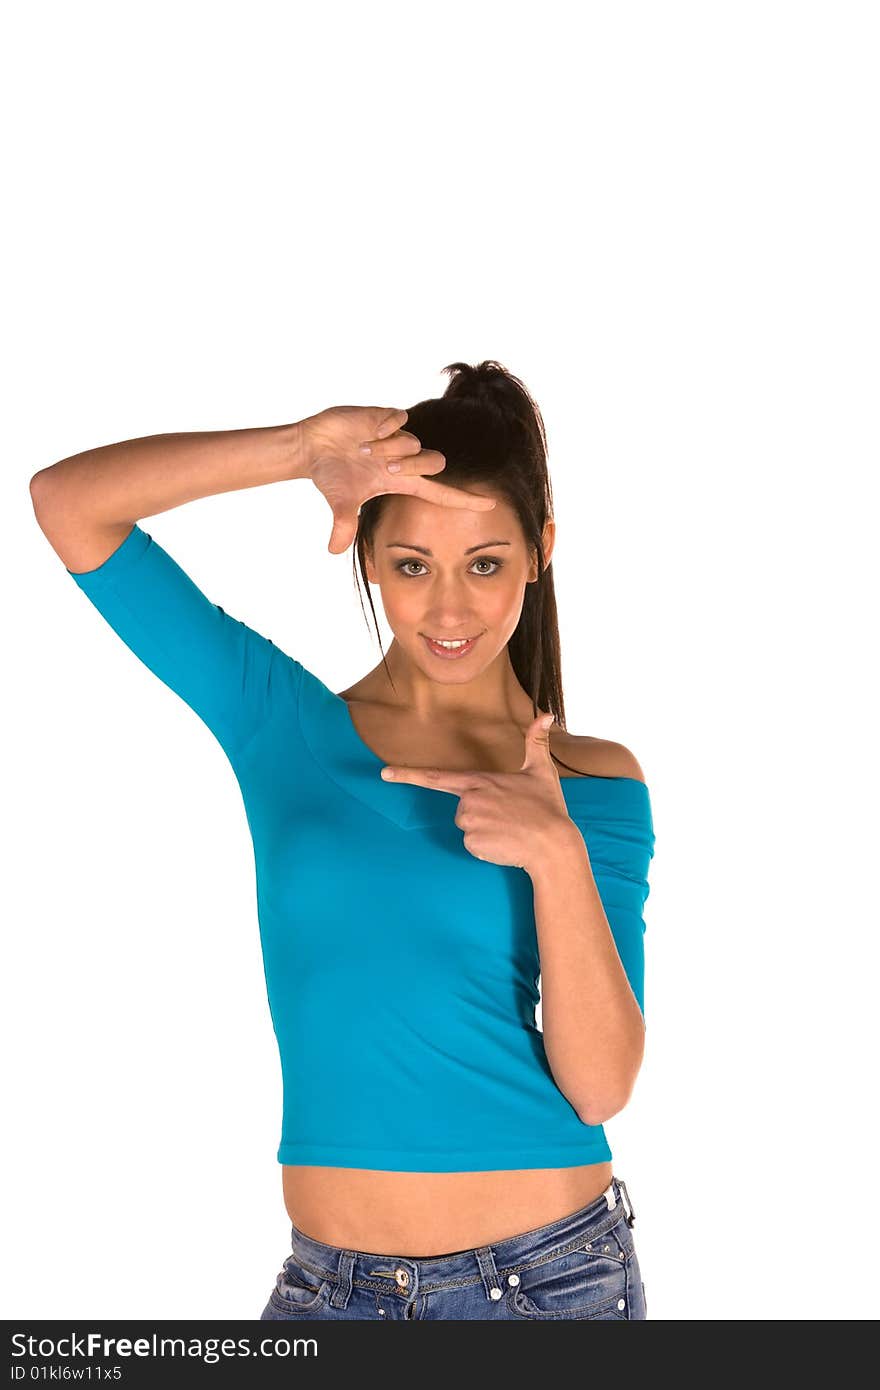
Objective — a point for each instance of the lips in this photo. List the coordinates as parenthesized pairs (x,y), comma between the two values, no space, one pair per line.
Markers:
(450,653)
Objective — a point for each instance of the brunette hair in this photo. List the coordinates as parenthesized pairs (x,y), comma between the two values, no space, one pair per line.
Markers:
(491,432)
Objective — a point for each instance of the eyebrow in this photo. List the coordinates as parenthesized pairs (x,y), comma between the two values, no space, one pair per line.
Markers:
(407,545)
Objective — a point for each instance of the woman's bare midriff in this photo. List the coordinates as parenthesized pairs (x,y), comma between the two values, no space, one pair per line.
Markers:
(420,1214)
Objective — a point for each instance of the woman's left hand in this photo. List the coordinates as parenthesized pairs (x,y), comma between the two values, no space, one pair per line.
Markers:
(506,817)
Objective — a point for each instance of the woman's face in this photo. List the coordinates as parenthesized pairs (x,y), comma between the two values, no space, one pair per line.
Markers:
(448,573)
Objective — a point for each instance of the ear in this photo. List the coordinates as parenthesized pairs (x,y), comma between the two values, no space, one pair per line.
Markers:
(548,543)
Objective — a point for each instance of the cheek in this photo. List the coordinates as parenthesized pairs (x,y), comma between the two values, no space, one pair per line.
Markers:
(499,617)
(403,608)
(502,608)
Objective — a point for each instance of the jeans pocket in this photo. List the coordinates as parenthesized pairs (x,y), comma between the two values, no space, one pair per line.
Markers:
(298,1289)
(590,1281)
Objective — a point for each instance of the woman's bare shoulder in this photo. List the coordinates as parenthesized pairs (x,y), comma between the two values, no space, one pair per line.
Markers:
(597,757)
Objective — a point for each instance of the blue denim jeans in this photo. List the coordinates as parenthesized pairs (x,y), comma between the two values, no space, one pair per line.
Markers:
(582,1266)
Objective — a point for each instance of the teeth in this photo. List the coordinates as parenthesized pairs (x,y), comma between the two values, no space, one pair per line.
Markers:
(460,642)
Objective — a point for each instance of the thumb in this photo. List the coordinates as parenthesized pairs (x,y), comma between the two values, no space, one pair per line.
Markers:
(342,535)
(538,742)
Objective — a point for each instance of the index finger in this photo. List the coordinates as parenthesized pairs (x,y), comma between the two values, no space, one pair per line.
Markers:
(439,779)
(442,494)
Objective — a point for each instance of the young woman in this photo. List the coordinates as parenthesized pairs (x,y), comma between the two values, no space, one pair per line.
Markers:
(441,1156)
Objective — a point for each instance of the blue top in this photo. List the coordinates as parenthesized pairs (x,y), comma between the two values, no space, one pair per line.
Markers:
(401,972)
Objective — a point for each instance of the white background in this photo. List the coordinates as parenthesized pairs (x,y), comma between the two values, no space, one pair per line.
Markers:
(664,218)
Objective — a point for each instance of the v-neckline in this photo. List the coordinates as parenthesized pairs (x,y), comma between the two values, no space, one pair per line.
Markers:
(334,742)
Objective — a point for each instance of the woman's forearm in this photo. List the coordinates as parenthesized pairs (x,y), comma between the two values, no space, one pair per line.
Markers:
(122,483)
(593,1028)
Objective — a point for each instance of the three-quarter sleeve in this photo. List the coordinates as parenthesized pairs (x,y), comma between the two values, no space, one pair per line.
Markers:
(217,664)
(615,817)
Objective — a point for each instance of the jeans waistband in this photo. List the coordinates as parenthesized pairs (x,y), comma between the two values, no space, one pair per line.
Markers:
(408,1275)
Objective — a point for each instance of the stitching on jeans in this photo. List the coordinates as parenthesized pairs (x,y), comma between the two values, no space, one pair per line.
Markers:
(578,1244)
(289,1304)
(313,1269)
(588,1310)
(602,1229)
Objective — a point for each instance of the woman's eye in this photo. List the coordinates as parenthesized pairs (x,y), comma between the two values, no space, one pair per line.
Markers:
(481,560)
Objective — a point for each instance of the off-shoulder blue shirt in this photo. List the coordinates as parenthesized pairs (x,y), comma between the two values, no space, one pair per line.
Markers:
(401,972)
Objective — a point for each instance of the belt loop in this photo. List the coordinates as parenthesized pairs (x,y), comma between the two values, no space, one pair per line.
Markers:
(491,1279)
(342,1288)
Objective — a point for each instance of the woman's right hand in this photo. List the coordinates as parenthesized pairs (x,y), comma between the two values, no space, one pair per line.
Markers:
(348,477)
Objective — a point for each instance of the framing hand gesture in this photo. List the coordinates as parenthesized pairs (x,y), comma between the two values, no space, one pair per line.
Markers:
(506,816)
(348,449)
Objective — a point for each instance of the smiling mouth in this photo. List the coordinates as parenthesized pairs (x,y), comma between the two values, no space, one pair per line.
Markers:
(436,647)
